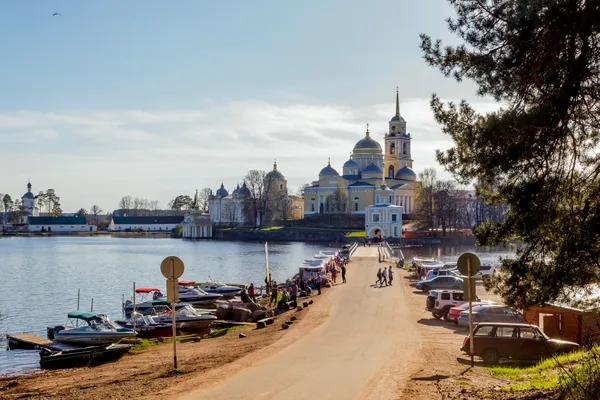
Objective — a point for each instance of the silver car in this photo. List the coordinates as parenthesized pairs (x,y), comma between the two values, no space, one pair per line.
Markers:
(491,313)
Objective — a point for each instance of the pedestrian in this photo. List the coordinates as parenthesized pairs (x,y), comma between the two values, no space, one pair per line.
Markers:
(384,275)
(252,292)
(294,294)
(343,273)
(334,273)
(390,275)
(379,276)
(318,282)
(274,293)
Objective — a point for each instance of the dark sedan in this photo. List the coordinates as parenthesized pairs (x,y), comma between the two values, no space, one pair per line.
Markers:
(440,282)
(493,341)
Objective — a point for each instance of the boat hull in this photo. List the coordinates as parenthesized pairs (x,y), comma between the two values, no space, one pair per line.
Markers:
(79,357)
(103,338)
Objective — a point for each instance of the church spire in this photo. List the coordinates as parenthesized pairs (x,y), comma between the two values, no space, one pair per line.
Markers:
(397,103)
(275,165)
(368,134)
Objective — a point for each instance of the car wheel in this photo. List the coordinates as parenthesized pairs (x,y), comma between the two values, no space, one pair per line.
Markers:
(446,312)
(490,357)
(436,315)
(425,288)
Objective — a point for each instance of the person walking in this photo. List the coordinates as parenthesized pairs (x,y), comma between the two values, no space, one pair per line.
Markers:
(294,294)
(252,292)
(379,277)
(274,294)
(343,273)
(390,275)
(384,275)
(318,282)
(334,273)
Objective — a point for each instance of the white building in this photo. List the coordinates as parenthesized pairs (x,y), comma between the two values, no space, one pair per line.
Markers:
(28,200)
(196,226)
(383,219)
(59,224)
(226,209)
(149,223)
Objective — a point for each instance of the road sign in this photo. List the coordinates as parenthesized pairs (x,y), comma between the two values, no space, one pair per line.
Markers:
(172,267)
(172,290)
(463,261)
(466,289)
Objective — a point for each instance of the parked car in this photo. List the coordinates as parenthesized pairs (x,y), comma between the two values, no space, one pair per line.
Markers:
(439,302)
(442,272)
(493,341)
(485,272)
(440,282)
(455,311)
(491,313)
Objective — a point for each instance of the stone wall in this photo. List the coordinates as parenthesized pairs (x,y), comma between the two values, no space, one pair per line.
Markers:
(279,236)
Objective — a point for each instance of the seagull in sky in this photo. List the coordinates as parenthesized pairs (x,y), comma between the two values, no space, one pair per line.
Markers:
(55,14)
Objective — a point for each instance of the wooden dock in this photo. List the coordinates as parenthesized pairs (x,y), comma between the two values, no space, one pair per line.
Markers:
(27,341)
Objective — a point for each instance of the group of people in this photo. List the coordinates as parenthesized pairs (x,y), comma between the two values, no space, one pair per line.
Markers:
(385,275)
(335,266)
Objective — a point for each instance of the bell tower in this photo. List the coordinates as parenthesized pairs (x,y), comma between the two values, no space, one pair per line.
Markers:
(397,143)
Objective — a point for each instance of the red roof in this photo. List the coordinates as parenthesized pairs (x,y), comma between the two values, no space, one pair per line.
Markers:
(146,290)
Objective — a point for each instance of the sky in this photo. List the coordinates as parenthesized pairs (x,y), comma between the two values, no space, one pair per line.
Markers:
(154,99)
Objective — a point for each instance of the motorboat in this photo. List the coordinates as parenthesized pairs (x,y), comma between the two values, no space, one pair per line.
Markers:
(186,318)
(220,288)
(158,306)
(82,356)
(187,295)
(145,326)
(97,329)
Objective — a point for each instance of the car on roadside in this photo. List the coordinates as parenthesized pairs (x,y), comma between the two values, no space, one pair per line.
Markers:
(442,272)
(491,313)
(440,282)
(454,312)
(485,272)
(494,341)
(440,301)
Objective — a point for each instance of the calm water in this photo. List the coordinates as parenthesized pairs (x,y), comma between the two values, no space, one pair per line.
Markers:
(40,276)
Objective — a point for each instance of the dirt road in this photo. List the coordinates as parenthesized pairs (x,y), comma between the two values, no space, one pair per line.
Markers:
(349,356)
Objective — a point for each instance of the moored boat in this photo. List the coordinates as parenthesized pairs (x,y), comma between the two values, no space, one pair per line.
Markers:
(145,326)
(98,329)
(220,288)
(187,318)
(83,356)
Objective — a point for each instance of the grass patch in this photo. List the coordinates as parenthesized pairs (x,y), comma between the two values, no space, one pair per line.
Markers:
(518,372)
(357,234)
(145,343)
(171,372)
(223,331)
(272,228)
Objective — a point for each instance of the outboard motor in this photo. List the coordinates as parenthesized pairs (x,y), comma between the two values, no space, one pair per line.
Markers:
(57,329)
(50,332)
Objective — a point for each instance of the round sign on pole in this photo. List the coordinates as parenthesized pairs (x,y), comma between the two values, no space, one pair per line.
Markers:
(172,267)
(464,259)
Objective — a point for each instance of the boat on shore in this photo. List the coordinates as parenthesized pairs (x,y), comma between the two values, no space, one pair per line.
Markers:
(98,329)
(145,326)
(186,318)
(50,359)
(187,295)
(220,288)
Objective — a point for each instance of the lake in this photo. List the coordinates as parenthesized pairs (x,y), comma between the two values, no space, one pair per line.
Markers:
(40,276)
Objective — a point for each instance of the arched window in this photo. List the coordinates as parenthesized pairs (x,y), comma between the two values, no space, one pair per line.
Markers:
(393,148)
(312,207)
(377,199)
(390,199)
(391,171)
(355,206)
(403,148)
(281,186)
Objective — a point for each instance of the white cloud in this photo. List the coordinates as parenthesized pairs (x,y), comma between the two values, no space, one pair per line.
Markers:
(98,156)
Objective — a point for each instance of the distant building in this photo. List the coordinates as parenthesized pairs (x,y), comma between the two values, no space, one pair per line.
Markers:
(151,224)
(59,224)
(383,219)
(28,200)
(196,225)
(297,207)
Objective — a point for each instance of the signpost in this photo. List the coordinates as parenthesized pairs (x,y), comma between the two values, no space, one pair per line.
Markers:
(172,269)
(468,264)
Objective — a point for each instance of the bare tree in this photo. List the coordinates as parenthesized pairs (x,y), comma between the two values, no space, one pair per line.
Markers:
(256,203)
(8,203)
(126,203)
(229,212)
(425,197)
(95,210)
(203,196)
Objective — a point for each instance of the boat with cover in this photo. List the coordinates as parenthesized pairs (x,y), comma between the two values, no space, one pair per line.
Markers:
(98,329)
(187,294)
(220,288)
(186,317)
(82,356)
(146,326)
